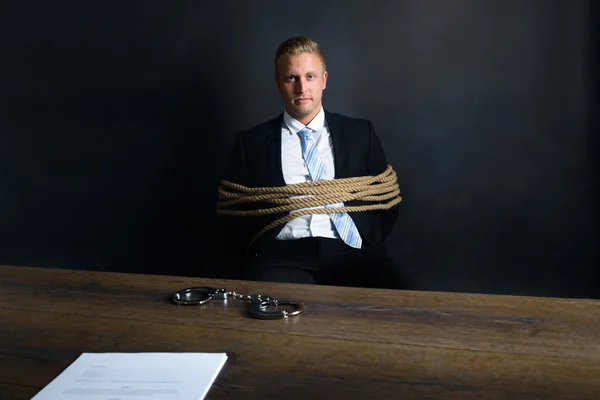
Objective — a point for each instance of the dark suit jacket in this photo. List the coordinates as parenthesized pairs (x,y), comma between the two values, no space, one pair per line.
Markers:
(256,161)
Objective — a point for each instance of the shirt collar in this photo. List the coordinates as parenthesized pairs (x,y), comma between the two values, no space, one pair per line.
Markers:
(295,126)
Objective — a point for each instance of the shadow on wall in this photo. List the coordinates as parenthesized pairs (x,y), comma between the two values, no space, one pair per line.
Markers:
(108,180)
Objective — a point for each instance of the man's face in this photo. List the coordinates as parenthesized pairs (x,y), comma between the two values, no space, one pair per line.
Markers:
(301,80)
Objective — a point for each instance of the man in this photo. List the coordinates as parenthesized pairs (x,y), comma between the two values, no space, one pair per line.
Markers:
(308,143)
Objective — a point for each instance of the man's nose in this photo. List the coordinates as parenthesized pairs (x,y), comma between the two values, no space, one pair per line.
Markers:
(300,85)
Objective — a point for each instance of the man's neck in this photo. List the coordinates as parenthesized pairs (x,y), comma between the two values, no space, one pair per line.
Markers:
(308,119)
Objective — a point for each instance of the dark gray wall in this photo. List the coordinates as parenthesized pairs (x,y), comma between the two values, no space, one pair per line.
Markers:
(116,119)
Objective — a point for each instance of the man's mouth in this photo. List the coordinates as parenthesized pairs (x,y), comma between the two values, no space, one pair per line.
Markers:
(302,100)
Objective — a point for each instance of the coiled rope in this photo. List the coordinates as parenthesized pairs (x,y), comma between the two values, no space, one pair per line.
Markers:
(300,198)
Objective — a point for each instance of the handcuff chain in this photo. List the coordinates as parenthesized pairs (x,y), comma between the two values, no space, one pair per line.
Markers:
(239,296)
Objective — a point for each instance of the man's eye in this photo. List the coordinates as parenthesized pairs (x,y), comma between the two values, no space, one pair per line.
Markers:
(310,76)
(291,78)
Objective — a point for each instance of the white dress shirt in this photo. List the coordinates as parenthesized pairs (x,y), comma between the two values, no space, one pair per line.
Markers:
(295,171)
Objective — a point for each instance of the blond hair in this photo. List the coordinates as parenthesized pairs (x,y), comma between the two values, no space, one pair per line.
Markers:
(298,45)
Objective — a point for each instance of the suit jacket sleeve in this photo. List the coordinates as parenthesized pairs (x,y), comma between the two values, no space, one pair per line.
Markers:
(378,164)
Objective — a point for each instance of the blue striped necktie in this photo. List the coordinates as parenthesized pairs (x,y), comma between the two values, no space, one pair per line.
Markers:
(318,172)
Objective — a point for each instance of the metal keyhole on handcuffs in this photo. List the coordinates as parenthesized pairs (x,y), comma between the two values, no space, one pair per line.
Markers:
(258,302)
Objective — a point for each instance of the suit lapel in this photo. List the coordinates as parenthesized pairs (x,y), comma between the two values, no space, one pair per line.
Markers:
(340,150)
(274,151)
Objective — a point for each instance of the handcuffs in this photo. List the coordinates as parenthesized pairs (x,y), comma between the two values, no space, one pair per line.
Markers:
(259,303)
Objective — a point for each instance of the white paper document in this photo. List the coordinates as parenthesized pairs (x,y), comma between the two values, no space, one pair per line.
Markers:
(139,376)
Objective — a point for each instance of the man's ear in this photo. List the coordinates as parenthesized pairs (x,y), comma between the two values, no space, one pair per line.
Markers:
(325,75)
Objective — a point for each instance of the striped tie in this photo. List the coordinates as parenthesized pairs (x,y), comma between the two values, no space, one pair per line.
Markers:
(318,172)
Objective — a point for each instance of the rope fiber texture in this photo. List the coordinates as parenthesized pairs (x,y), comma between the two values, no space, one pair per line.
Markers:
(382,191)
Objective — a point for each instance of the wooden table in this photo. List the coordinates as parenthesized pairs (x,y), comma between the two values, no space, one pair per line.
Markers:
(351,343)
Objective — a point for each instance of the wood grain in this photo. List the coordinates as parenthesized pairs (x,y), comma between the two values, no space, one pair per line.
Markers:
(350,343)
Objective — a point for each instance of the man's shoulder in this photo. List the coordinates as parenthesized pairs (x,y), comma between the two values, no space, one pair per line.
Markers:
(264,127)
(345,121)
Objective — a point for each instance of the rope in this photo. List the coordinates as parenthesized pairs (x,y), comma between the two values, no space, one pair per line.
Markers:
(299,198)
